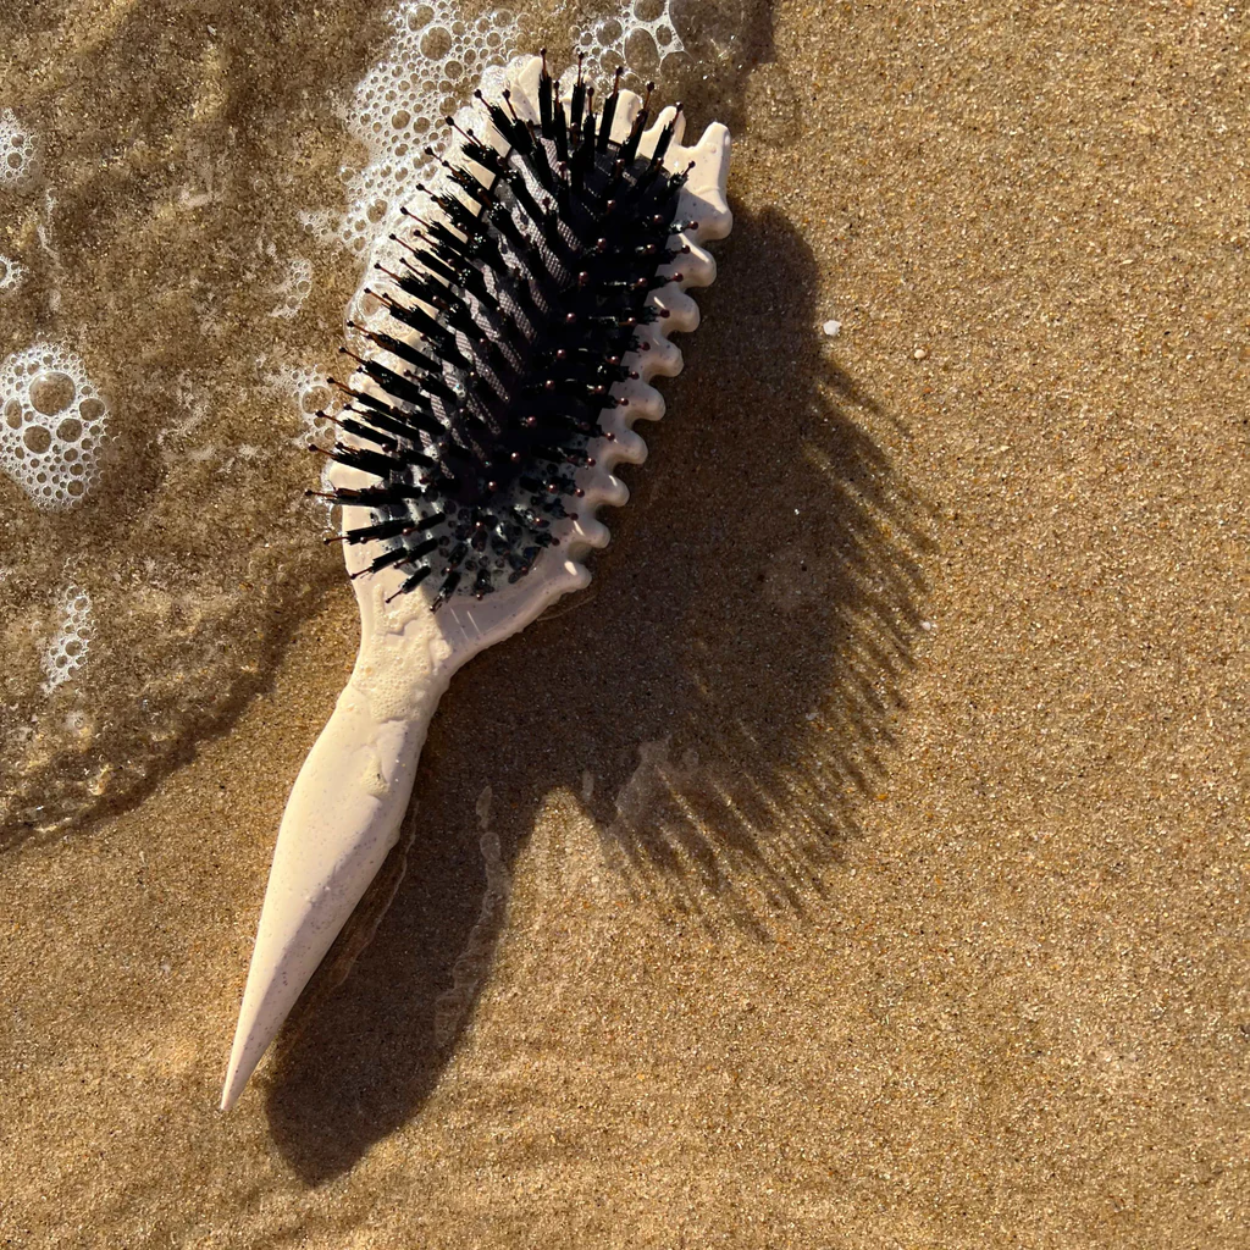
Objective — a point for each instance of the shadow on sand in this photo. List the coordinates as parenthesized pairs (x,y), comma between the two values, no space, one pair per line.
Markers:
(753,621)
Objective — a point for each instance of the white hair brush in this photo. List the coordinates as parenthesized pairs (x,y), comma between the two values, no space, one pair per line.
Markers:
(519,340)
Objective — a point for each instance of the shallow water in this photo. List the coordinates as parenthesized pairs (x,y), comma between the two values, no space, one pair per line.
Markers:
(860,860)
(195,203)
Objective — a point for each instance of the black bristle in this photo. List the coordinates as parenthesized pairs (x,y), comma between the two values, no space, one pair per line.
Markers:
(510,318)
(629,151)
(609,112)
(666,137)
(544,98)
(588,125)
(577,103)
(561,131)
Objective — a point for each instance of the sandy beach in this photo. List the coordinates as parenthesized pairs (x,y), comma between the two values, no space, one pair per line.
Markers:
(859,862)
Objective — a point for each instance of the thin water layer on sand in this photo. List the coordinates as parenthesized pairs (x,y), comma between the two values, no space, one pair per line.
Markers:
(183,233)
(860,861)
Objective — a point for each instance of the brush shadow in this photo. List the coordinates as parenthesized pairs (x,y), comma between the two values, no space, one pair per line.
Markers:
(723,698)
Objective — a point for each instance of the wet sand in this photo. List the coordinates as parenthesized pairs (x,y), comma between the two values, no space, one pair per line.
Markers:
(859,862)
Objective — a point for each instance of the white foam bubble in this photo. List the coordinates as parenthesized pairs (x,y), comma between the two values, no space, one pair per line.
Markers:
(18,151)
(321,223)
(52,421)
(433,58)
(66,651)
(306,387)
(639,35)
(11,275)
(294,289)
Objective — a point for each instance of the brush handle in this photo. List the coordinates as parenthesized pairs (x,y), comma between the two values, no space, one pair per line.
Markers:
(341,821)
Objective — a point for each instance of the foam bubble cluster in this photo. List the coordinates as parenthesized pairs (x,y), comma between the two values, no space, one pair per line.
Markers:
(294,289)
(306,385)
(17,151)
(433,59)
(66,652)
(11,274)
(640,35)
(52,421)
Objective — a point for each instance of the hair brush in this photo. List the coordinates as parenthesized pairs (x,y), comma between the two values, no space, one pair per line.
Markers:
(512,355)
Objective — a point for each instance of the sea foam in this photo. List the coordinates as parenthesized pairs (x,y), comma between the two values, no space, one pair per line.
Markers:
(66,651)
(52,420)
(18,152)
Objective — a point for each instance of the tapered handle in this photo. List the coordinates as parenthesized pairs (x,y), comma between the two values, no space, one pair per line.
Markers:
(342,819)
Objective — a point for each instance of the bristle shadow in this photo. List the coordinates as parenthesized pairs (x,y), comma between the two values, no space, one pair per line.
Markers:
(702,638)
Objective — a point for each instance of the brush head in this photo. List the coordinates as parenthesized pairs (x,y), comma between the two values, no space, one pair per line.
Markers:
(516,336)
